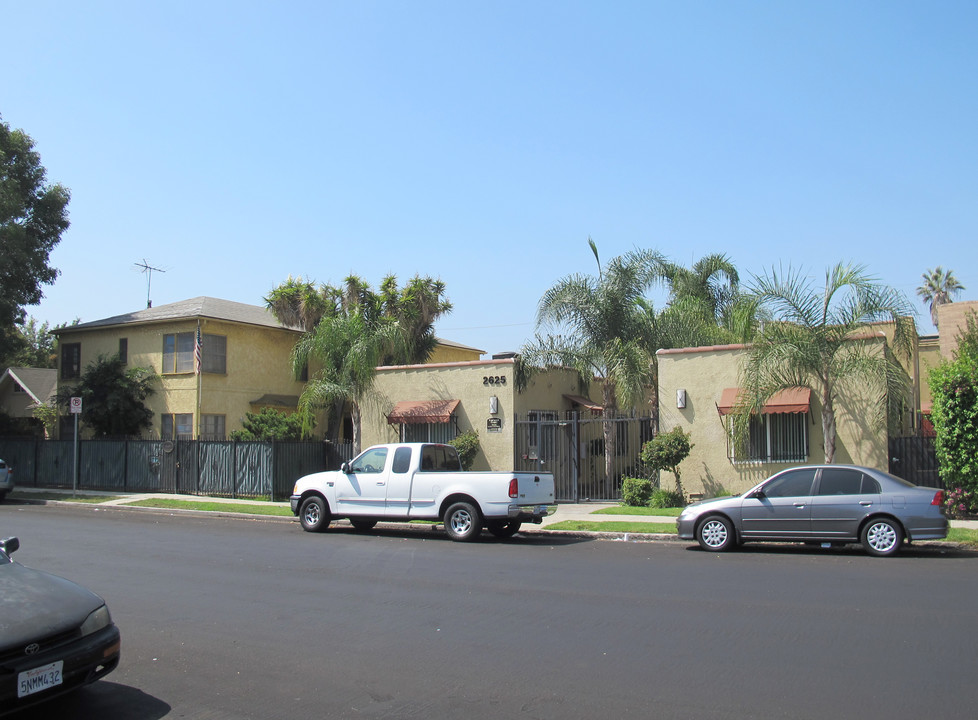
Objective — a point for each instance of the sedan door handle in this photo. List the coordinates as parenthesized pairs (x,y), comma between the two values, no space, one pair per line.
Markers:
(865,503)
(800,506)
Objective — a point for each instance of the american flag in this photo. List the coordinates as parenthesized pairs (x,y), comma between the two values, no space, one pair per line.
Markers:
(198,351)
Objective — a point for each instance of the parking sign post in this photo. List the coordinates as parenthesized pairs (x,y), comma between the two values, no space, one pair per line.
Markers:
(76,408)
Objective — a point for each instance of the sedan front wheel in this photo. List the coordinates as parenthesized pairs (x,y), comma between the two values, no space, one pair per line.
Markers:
(716,534)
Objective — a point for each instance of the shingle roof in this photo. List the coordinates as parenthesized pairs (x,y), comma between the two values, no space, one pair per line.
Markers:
(40,383)
(199,307)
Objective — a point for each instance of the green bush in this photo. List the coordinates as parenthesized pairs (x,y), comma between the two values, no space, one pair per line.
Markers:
(467,445)
(954,388)
(666,499)
(635,492)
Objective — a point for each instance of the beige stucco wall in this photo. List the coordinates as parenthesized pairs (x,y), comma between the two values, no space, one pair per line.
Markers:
(258,363)
(453,353)
(468,382)
(952,319)
(929,357)
(704,373)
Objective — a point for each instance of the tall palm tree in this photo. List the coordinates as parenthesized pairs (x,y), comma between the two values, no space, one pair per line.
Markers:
(817,340)
(938,288)
(608,332)
(348,349)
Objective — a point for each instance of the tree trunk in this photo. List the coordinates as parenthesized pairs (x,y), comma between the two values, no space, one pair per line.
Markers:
(355,415)
(828,424)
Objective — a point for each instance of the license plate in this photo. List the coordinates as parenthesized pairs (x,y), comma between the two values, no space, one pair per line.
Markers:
(40,678)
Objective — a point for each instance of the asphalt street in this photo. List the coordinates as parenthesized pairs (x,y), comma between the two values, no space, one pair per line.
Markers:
(242,618)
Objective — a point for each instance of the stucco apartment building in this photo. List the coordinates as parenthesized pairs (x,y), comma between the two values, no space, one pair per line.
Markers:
(245,366)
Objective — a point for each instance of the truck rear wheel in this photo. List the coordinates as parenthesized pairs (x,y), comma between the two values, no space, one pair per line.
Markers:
(462,522)
(314,515)
(504,528)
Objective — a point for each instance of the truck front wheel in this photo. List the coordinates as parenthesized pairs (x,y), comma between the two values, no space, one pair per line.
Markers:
(462,522)
(313,515)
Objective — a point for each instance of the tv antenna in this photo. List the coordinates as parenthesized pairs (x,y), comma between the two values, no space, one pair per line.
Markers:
(148,269)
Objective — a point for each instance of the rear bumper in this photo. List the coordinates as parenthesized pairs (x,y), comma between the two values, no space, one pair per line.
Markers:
(530,513)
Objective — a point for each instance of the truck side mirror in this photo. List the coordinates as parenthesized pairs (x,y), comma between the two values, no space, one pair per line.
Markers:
(9,545)
(345,468)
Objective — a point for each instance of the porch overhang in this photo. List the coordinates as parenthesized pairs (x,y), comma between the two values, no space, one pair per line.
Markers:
(422,412)
(584,402)
(790,400)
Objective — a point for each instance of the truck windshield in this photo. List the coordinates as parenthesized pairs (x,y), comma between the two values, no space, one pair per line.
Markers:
(439,458)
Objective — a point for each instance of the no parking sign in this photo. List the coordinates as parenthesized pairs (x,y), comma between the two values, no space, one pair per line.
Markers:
(76,405)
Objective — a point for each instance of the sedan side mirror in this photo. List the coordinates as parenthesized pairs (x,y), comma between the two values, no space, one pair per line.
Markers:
(759,494)
(9,545)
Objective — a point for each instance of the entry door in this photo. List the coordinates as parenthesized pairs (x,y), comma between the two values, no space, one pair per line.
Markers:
(364,491)
(782,508)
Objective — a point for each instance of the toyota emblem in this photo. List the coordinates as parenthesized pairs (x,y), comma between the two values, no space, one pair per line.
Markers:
(32,649)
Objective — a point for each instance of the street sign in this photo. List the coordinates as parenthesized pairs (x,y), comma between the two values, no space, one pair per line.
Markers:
(76,405)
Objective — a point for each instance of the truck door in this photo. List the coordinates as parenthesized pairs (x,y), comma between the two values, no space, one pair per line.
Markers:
(365,489)
(399,483)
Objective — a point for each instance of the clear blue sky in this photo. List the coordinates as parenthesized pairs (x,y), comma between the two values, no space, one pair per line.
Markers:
(235,143)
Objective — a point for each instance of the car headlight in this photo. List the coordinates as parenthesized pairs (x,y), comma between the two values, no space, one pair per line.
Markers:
(96,621)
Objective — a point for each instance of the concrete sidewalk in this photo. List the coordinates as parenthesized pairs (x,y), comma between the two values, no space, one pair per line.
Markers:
(565,511)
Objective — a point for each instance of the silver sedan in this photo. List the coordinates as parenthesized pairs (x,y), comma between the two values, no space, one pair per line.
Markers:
(820,504)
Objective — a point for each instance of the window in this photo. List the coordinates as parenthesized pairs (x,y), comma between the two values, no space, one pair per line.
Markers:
(18,388)
(177,426)
(402,460)
(70,361)
(214,355)
(371,461)
(777,437)
(124,350)
(212,427)
(793,483)
(178,353)
(843,481)
(439,458)
(429,432)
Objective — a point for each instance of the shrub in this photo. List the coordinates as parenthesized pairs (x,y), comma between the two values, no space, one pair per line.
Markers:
(954,387)
(666,499)
(467,445)
(961,502)
(666,451)
(635,492)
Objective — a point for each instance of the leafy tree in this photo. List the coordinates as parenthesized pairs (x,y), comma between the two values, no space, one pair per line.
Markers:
(269,424)
(938,288)
(38,345)
(113,397)
(398,322)
(33,216)
(954,389)
(608,333)
(666,451)
(348,349)
(818,341)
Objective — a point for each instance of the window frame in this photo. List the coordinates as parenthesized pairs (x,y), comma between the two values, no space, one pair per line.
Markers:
(768,443)
(70,367)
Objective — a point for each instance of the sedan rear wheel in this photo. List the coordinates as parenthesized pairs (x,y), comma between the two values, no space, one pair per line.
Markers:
(716,534)
(882,537)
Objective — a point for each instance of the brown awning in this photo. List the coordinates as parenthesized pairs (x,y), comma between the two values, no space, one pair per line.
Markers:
(584,402)
(790,400)
(422,412)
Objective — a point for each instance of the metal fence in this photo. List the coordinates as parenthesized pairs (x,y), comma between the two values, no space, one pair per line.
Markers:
(572,447)
(195,467)
(915,460)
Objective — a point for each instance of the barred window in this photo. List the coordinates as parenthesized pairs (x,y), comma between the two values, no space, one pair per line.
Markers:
(773,438)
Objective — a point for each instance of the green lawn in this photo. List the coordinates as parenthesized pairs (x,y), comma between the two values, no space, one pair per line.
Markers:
(628,510)
(245,509)
(615,526)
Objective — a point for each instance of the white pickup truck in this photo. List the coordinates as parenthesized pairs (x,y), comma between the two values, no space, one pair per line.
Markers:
(422,481)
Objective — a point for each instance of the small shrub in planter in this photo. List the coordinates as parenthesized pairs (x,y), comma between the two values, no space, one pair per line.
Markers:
(635,492)
(961,502)
(666,499)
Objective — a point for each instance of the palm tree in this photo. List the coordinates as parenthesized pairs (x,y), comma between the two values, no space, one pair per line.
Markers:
(938,287)
(348,349)
(609,334)
(817,340)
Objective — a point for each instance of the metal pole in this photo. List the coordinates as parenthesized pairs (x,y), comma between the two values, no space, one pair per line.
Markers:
(74,484)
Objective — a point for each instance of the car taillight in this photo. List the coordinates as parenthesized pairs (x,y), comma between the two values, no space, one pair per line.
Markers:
(938,498)
(514,488)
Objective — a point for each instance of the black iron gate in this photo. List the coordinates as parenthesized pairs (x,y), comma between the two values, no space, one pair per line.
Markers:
(915,460)
(572,447)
